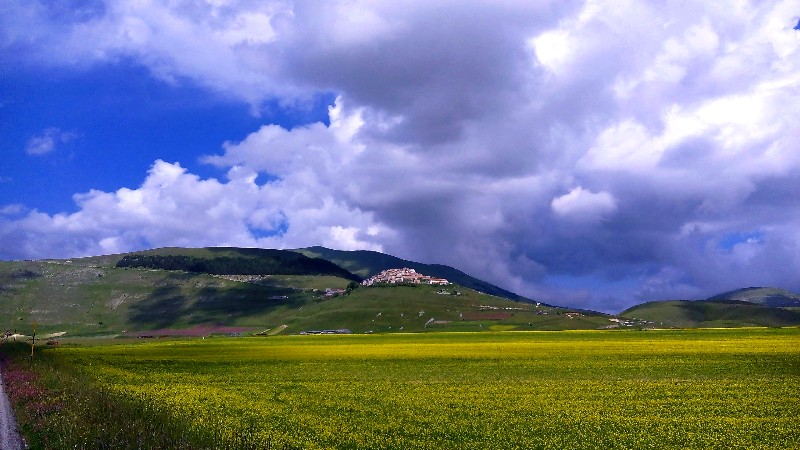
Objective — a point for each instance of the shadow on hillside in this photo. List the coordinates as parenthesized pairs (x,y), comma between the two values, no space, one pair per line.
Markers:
(11,281)
(171,304)
(161,308)
(738,313)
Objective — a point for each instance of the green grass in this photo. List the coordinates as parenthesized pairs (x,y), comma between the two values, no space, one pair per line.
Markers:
(574,389)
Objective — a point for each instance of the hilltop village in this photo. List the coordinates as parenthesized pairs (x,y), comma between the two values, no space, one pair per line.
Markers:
(403,276)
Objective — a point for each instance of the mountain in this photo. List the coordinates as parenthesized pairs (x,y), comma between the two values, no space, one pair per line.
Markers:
(713,313)
(202,291)
(169,291)
(365,264)
(765,296)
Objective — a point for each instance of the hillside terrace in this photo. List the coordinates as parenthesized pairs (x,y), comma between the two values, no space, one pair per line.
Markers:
(404,275)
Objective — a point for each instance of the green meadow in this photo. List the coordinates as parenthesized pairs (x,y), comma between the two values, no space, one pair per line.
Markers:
(732,388)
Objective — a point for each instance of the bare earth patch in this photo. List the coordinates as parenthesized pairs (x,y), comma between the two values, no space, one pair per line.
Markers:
(9,434)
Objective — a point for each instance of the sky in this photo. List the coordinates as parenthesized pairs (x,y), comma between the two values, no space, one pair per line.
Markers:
(593,154)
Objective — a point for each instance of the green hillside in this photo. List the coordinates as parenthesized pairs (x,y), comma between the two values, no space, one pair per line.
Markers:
(94,299)
(365,264)
(96,296)
(427,308)
(717,313)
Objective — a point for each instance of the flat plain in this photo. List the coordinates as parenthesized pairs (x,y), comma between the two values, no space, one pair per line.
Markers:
(732,388)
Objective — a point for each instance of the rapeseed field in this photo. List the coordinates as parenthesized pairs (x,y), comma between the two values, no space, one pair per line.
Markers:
(656,389)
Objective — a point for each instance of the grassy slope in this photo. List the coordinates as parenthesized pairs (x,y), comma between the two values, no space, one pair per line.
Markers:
(104,299)
(366,263)
(684,313)
(407,308)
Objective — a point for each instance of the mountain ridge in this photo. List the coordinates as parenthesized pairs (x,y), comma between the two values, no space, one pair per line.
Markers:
(766,296)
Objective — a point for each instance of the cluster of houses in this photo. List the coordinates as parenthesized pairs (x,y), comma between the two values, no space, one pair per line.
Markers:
(630,322)
(403,276)
(330,293)
(339,331)
(243,278)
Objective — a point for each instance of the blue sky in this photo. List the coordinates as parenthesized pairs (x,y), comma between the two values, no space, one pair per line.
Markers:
(594,154)
(113,121)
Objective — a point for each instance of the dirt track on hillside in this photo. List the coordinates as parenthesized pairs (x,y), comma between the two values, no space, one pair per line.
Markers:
(9,435)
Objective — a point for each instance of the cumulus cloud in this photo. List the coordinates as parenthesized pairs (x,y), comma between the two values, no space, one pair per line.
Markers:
(583,205)
(582,153)
(48,141)
(174,207)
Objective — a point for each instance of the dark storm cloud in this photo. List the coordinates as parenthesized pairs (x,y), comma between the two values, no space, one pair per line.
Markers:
(433,67)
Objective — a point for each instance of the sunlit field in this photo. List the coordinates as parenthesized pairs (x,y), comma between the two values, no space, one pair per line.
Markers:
(655,389)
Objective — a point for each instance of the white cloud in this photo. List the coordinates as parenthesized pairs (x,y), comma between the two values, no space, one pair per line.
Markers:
(552,49)
(627,145)
(174,207)
(48,141)
(584,206)
(249,28)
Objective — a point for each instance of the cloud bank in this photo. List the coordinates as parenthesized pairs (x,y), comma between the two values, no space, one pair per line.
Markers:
(594,154)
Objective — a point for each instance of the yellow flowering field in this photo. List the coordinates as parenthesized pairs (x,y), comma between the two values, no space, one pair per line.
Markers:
(736,388)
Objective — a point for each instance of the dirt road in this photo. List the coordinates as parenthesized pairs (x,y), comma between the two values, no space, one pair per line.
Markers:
(9,436)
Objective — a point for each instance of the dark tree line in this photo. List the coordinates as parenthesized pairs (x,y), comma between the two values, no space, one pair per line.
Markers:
(279,263)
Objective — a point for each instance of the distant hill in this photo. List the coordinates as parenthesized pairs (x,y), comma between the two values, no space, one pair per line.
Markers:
(764,296)
(713,313)
(365,264)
